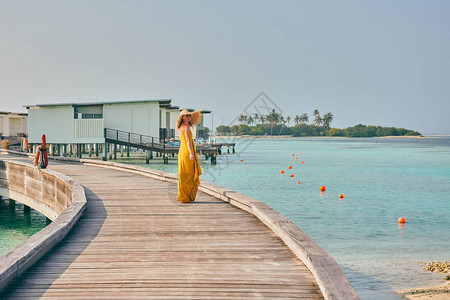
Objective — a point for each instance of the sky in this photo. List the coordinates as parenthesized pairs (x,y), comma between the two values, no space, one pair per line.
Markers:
(374,62)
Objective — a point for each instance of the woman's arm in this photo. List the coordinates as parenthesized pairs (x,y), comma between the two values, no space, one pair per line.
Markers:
(188,142)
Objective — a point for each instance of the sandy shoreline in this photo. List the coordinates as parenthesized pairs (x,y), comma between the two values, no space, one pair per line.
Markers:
(440,292)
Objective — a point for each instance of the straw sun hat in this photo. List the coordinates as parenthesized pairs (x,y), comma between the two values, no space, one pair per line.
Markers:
(195,117)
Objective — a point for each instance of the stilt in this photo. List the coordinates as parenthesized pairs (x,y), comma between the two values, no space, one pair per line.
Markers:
(115,151)
(12,206)
(148,153)
(105,152)
(110,151)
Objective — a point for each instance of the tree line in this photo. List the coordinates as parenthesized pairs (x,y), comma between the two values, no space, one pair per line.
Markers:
(276,124)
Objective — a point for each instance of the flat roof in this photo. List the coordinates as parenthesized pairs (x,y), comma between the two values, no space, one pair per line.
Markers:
(161,101)
(12,113)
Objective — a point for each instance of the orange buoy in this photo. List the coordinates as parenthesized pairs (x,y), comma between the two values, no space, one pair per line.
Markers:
(290,167)
(292,175)
(302,161)
(298,182)
(281,172)
(296,158)
(341,196)
(322,188)
(293,154)
(240,160)
(401,220)
(38,154)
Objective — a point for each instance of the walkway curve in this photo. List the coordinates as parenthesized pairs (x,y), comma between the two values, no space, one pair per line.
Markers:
(136,241)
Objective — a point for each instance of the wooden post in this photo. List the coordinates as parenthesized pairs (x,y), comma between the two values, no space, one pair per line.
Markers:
(213,158)
(128,146)
(105,152)
(12,206)
(115,151)
(147,156)
(110,150)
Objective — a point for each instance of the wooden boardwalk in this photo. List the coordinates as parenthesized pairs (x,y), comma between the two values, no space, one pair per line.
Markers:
(134,241)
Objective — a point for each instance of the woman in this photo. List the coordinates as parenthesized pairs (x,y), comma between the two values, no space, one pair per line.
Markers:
(188,167)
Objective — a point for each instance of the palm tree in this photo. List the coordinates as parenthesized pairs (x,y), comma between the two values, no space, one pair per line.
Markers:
(273,118)
(297,119)
(304,118)
(317,118)
(262,119)
(255,118)
(242,119)
(250,120)
(288,120)
(327,119)
(282,120)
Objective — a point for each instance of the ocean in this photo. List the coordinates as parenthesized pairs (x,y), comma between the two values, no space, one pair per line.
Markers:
(16,225)
(381,179)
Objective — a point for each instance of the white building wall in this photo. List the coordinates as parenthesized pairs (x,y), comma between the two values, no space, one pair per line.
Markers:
(55,122)
(163,118)
(89,130)
(173,119)
(4,126)
(13,125)
(140,118)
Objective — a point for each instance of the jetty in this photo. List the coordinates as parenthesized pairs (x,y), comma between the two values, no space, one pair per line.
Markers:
(133,240)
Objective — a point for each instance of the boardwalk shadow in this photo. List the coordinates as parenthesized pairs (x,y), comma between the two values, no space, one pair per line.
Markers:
(50,267)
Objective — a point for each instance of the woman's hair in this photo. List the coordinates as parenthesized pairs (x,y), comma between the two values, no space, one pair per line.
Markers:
(181,122)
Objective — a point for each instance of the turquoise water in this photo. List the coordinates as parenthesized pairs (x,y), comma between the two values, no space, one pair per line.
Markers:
(381,179)
(16,225)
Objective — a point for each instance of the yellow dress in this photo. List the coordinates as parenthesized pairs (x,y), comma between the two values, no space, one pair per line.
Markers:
(188,171)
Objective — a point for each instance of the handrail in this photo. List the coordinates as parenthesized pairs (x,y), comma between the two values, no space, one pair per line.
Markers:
(140,140)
